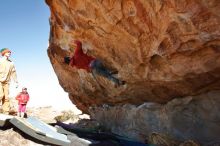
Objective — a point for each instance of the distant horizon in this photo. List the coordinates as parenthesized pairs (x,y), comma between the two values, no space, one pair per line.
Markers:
(25,31)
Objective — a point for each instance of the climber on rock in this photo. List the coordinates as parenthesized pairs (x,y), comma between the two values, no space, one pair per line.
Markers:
(80,60)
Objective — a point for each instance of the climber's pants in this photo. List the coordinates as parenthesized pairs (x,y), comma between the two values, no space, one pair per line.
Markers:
(98,68)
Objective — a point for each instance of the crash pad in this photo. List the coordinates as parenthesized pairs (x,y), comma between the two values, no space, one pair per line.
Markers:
(100,136)
(40,130)
(4,120)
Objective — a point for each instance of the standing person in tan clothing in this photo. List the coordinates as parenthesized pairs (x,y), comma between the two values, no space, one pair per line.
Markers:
(7,72)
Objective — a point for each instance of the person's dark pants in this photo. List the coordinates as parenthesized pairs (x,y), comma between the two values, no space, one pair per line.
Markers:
(98,68)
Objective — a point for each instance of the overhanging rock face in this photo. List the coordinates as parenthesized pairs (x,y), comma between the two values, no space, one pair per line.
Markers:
(165,50)
(162,49)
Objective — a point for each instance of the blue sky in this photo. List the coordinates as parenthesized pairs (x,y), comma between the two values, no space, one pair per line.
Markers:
(24,29)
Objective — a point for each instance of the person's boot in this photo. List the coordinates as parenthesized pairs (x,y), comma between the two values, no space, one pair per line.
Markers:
(119,83)
(22,115)
(122,82)
(113,72)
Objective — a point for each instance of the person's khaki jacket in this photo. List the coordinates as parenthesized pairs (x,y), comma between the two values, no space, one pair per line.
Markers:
(7,71)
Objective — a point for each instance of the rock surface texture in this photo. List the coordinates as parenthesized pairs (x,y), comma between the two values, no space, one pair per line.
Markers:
(194,118)
(163,49)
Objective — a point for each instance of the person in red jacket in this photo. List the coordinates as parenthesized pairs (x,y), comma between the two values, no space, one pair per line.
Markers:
(80,60)
(23,98)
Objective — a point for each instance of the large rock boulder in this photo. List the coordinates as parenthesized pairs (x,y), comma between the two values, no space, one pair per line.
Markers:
(163,49)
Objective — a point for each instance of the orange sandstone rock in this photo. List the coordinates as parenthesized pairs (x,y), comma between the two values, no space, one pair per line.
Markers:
(163,49)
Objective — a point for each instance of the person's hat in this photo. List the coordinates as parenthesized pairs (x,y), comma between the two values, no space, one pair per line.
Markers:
(4,50)
(24,88)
